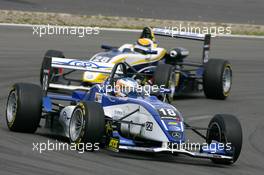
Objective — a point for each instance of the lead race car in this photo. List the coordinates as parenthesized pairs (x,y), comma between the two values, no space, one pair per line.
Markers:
(161,67)
(120,117)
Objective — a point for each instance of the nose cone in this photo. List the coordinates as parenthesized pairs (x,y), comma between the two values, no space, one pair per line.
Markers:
(176,130)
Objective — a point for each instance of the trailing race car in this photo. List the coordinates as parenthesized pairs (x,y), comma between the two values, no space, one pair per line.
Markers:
(120,117)
(161,67)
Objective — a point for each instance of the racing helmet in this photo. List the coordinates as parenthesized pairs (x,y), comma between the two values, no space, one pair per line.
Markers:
(143,45)
(125,87)
(148,33)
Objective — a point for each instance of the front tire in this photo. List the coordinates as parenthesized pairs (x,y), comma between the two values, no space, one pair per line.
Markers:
(225,129)
(87,123)
(24,107)
(217,79)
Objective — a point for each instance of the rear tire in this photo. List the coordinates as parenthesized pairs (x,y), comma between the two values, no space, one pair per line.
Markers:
(24,107)
(53,71)
(217,79)
(87,123)
(225,129)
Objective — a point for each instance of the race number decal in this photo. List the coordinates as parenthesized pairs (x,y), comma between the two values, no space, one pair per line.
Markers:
(101,59)
(149,126)
(113,144)
(167,113)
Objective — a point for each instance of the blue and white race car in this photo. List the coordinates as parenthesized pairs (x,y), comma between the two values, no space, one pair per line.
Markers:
(118,114)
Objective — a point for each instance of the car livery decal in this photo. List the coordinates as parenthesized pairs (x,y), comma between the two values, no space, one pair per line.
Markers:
(79,63)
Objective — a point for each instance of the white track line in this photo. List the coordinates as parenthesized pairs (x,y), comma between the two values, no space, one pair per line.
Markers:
(130,30)
(120,30)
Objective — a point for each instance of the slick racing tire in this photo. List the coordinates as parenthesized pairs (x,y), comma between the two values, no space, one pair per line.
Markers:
(24,107)
(54,72)
(217,79)
(87,124)
(165,76)
(226,129)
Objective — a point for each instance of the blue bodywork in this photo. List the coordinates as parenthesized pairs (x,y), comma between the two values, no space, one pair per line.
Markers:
(151,103)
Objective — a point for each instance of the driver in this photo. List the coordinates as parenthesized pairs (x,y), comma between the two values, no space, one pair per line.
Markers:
(126,87)
(146,42)
(143,45)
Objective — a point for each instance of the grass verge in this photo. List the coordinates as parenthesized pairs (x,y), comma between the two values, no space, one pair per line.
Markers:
(26,17)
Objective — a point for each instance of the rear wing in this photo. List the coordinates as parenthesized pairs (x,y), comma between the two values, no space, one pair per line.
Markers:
(71,64)
(205,38)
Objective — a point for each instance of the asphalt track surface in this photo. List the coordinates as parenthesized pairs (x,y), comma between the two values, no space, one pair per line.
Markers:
(20,57)
(234,11)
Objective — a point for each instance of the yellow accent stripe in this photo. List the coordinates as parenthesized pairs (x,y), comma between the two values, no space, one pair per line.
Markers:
(119,60)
